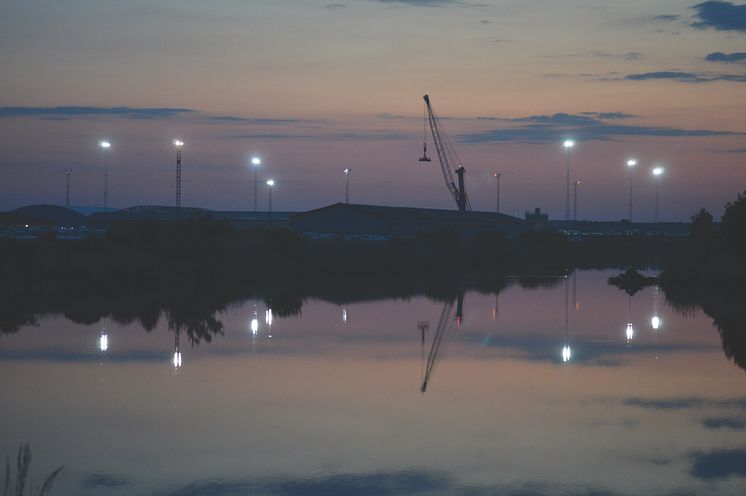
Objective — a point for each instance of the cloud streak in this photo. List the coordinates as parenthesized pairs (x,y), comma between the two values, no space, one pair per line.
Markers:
(722,16)
(87,111)
(719,464)
(227,119)
(585,352)
(588,126)
(331,135)
(421,3)
(716,423)
(686,77)
(729,58)
(422,482)
(685,403)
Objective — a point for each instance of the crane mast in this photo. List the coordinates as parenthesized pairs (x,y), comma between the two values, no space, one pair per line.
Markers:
(449,161)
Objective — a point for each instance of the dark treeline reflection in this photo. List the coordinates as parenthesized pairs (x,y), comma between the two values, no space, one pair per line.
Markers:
(725,304)
(194,307)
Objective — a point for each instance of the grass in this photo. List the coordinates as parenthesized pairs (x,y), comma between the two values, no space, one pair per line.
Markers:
(23,463)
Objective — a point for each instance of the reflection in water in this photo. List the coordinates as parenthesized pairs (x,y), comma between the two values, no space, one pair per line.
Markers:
(724,304)
(566,350)
(337,391)
(575,302)
(103,339)
(440,337)
(630,331)
(345,313)
(177,352)
(655,321)
(254,326)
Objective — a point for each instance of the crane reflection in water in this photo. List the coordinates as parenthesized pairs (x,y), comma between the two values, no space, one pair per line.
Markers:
(440,338)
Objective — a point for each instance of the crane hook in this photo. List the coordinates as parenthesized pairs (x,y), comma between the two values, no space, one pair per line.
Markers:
(424,157)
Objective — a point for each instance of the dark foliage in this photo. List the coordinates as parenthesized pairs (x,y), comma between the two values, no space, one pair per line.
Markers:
(632,281)
(702,228)
(733,223)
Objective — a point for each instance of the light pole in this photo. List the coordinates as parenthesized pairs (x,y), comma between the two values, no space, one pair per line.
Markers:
(255,163)
(178,144)
(67,187)
(657,173)
(347,184)
(568,144)
(497,197)
(270,185)
(105,145)
(575,200)
(631,163)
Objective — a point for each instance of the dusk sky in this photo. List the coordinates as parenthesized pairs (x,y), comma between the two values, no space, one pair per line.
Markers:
(313,87)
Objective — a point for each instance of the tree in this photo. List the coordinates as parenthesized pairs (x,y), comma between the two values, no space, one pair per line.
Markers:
(733,223)
(701,228)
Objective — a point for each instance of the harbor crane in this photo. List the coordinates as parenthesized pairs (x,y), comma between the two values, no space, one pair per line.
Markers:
(449,161)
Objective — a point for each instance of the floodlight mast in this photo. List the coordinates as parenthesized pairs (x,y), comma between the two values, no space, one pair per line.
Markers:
(449,161)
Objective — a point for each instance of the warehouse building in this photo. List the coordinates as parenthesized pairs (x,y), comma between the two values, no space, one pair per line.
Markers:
(372,221)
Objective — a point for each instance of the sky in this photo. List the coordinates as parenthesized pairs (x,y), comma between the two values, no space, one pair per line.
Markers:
(314,87)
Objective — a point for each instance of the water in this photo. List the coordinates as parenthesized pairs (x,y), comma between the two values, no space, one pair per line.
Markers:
(330,401)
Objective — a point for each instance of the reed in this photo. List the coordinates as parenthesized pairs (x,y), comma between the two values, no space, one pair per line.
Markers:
(23,463)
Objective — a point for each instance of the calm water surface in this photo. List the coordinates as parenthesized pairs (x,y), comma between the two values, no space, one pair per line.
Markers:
(558,389)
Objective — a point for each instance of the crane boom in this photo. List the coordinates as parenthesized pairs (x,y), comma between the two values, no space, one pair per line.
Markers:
(449,161)
(440,337)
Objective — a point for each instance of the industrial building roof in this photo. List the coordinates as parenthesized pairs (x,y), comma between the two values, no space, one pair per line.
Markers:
(411,213)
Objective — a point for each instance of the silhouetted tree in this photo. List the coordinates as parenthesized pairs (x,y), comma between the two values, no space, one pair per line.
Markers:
(733,223)
(701,228)
(285,305)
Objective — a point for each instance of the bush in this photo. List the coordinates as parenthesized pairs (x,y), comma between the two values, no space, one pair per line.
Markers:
(733,223)
(701,228)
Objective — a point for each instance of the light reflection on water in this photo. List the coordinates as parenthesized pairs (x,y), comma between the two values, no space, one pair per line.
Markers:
(529,391)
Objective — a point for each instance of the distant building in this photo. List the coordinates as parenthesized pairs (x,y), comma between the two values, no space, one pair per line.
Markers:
(372,222)
(537,219)
(170,215)
(32,221)
(52,215)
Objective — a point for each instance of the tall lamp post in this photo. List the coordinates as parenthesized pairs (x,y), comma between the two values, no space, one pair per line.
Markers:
(568,144)
(347,184)
(105,145)
(67,187)
(657,173)
(178,144)
(575,200)
(631,163)
(270,185)
(497,197)
(255,163)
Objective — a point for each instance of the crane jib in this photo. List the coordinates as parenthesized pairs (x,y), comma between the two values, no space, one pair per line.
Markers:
(449,161)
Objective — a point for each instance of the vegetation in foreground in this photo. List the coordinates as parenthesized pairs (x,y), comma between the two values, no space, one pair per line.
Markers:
(22,487)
